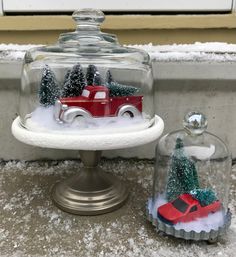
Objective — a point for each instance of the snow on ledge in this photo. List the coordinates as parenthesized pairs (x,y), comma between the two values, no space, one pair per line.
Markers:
(14,52)
(212,51)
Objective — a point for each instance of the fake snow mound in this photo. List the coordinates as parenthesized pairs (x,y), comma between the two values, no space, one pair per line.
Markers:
(42,120)
(212,221)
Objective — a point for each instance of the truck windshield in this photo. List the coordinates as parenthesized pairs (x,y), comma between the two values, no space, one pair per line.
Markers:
(180,205)
(85,93)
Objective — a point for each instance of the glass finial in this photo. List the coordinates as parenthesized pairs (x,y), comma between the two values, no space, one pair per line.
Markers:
(195,123)
(89,16)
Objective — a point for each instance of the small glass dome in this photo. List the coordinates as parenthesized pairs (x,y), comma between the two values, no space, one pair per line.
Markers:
(191,182)
(86,82)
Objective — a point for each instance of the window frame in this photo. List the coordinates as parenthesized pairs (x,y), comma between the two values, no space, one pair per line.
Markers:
(176,6)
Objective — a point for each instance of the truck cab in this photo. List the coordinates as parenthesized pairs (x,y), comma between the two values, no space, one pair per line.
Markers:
(95,92)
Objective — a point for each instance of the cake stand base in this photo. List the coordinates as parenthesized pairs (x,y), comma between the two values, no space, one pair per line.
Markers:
(92,191)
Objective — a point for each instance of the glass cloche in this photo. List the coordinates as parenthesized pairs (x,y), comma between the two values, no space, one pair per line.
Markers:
(86,82)
(191,182)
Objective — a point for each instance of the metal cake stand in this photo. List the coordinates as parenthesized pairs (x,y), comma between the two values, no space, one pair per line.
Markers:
(92,191)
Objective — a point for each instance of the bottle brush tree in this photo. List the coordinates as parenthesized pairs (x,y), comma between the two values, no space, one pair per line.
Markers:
(75,82)
(90,74)
(205,196)
(67,77)
(182,174)
(117,89)
(97,81)
(49,90)
(109,77)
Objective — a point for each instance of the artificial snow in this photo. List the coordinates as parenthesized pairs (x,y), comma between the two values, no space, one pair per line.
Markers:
(42,120)
(31,226)
(200,152)
(212,221)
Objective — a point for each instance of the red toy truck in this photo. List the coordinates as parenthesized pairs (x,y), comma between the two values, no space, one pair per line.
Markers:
(95,102)
(184,209)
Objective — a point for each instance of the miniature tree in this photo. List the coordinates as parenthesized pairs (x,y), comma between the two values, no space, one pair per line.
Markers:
(109,78)
(75,82)
(205,196)
(49,90)
(182,175)
(67,77)
(90,74)
(117,89)
(97,81)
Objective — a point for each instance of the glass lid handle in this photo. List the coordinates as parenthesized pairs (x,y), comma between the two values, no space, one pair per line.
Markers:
(195,123)
(88,18)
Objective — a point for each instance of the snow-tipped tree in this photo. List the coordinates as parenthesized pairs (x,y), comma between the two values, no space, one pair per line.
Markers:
(49,90)
(97,81)
(117,89)
(109,78)
(90,74)
(205,196)
(75,82)
(182,174)
(67,77)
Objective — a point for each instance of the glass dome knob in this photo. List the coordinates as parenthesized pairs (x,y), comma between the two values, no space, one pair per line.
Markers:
(88,16)
(195,123)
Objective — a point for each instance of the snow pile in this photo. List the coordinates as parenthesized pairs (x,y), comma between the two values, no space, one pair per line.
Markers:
(212,221)
(14,51)
(221,52)
(16,47)
(42,120)
(209,47)
(211,51)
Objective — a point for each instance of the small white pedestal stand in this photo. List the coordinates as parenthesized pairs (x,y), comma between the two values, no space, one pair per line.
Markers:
(92,191)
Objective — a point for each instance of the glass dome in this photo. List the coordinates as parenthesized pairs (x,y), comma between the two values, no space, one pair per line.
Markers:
(86,82)
(191,182)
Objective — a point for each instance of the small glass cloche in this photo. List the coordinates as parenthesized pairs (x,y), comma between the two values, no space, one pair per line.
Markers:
(86,82)
(191,183)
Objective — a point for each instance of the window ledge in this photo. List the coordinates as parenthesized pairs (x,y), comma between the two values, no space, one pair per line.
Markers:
(120,22)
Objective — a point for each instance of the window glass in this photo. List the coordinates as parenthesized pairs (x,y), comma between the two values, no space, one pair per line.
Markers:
(194,208)
(85,93)
(180,205)
(100,95)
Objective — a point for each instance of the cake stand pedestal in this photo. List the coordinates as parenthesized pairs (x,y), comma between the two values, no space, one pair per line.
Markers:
(92,191)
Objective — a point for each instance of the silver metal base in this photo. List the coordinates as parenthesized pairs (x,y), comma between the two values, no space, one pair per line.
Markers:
(92,191)
(211,236)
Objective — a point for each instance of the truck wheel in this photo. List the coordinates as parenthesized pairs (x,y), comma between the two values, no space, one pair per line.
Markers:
(128,114)
(79,119)
(74,113)
(129,111)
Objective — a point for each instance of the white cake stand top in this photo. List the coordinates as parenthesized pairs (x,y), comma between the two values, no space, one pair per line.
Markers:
(90,142)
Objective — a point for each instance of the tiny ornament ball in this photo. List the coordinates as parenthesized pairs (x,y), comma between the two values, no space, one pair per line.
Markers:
(195,123)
